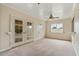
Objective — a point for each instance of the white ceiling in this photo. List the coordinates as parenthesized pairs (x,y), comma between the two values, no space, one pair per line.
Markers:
(43,10)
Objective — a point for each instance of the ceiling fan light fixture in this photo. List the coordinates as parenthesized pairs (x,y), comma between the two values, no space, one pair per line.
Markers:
(38,4)
(50,17)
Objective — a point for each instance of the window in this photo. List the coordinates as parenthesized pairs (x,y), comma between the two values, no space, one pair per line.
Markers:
(57,28)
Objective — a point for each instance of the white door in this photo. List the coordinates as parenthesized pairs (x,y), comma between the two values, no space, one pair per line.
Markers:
(39,31)
(17,31)
(4,42)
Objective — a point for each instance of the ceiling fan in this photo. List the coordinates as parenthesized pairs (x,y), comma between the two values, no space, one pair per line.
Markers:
(38,4)
(51,17)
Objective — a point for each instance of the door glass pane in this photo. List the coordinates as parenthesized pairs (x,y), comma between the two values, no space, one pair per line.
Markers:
(29,30)
(18,30)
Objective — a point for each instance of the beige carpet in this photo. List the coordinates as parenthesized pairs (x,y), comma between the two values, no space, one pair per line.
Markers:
(43,47)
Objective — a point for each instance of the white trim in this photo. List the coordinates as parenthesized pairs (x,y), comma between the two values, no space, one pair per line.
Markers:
(5,49)
(14,46)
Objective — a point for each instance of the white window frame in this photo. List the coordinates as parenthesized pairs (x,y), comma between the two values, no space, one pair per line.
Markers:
(57,30)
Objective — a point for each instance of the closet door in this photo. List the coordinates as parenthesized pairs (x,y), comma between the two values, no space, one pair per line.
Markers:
(4,42)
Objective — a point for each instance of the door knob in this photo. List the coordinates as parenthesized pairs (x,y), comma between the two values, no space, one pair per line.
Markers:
(8,33)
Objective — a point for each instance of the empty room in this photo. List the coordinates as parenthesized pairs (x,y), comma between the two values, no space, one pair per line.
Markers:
(39,29)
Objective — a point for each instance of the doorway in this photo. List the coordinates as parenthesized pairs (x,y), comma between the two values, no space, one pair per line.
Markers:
(18,31)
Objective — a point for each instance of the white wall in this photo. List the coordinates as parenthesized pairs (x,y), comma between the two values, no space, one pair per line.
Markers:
(0,26)
(66,35)
(6,12)
(75,36)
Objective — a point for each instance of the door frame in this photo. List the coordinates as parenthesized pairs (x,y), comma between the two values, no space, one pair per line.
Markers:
(12,27)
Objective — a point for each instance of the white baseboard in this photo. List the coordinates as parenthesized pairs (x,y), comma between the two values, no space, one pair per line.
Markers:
(20,44)
(2,50)
(5,49)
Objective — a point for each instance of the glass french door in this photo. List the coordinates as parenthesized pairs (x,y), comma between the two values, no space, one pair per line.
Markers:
(22,31)
(18,31)
(29,30)
(17,26)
